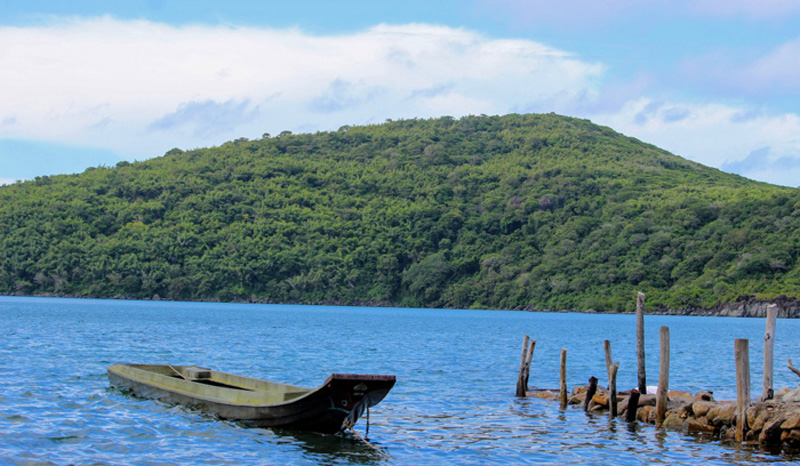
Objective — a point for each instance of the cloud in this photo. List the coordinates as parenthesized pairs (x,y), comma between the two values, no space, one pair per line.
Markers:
(141,88)
(753,143)
(757,158)
(207,117)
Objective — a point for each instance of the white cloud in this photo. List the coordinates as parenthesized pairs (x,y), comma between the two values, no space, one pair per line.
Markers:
(717,135)
(140,87)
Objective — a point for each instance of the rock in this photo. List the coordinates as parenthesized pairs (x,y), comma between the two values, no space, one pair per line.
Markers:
(721,414)
(762,417)
(791,437)
(544,395)
(600,399)
(701,408)
(647,400)
(699,426)
(792,423)
(643,414)
(675,394)
(673,421)
(771,433)
(704,396)
(792,396)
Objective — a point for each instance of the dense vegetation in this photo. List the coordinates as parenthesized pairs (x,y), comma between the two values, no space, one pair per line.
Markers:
(518,211)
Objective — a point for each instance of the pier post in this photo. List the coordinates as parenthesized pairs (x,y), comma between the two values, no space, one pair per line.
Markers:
(612,388)
(769,345)
(611,368)
(633,406)
(590,392)
(562,391)
(640,342)
(742,354)
(525,366)
(663,376)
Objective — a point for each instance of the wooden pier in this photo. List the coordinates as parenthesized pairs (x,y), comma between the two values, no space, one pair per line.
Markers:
(773,419)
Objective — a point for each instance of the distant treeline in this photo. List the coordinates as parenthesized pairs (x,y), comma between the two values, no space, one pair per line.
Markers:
(510,212)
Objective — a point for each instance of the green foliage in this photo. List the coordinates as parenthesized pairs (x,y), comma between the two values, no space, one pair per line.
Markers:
(518,211)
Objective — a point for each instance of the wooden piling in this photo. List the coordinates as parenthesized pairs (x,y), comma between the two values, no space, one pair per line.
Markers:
(590,392)
(611,369)
(562,391)
(742,354)
(525,366)
(769,345)
(640,342)
(633,406)
(663,376)
(612,389)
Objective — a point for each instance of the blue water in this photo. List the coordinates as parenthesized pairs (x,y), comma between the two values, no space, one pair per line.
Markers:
(453,403)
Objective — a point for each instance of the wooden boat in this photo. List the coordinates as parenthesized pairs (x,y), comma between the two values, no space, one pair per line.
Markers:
(336,404)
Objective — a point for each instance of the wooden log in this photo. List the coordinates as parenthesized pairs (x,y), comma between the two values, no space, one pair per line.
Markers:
(612,388)
(742,354)
(640,342)
(663,376)
(611,369)
(590,392)
(521,388)
(528,361)
(562,391)
(769,345)
(633,406)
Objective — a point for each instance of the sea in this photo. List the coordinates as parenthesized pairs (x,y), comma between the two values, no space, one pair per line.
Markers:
(453,403)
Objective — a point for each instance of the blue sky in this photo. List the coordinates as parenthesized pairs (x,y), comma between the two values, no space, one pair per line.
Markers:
(86,83)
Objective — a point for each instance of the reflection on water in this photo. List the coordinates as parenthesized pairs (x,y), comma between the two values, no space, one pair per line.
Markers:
(453,402)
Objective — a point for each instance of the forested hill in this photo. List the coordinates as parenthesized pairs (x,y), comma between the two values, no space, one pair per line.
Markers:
(518,211)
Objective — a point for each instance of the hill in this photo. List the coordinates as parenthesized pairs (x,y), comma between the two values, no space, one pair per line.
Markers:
(498,212)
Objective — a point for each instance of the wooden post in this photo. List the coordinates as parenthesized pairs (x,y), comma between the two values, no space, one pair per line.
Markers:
(742,354)
(528,361)
(769,345)
(611,368)
(590,392)
(562,391)
(633,406)
(521,389)
(612,388)
(663,376)
(640,342)
(525,366)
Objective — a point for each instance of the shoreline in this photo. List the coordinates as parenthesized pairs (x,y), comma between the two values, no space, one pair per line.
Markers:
(744,306)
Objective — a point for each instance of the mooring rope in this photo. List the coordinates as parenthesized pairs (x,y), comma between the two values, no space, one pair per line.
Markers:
(351,426)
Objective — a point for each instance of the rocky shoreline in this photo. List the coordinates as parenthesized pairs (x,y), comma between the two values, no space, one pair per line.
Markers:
(769,423)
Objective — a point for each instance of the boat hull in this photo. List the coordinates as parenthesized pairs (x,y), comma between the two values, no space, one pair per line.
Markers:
(337,403)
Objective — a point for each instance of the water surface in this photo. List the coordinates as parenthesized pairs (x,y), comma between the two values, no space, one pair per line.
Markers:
(453,402)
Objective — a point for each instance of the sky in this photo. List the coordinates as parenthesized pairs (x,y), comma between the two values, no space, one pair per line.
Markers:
(87,83)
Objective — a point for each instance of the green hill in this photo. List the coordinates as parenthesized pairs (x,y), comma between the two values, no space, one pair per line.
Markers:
(511,212)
